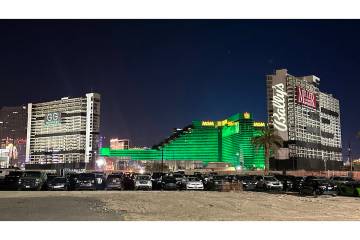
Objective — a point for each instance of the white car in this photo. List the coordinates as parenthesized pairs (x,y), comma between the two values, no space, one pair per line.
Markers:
(194,183)
(268,183)
(143,182)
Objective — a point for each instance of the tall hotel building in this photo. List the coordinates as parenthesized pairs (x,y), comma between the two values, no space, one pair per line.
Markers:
(307,120)
(63,133)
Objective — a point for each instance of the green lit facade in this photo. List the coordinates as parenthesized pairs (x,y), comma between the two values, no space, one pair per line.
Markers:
(227,141)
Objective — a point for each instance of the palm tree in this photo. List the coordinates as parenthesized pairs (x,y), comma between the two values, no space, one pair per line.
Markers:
(270,141)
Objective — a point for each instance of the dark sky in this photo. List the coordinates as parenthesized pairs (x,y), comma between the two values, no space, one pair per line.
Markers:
(155,75)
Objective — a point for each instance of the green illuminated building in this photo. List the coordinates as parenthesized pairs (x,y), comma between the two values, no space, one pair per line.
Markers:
(227,141)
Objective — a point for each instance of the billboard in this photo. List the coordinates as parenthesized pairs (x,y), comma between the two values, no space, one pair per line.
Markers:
(53,118)
(305,97)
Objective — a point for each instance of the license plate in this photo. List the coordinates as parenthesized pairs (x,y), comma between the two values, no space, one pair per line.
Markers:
(27,186)
(114,181)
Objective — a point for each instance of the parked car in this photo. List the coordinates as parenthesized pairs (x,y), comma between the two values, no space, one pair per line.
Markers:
(318,186)
(143,182)
(33,180)
(267,183)
(129,183)
(156,180)
(215,183)
(72,179)
(115,182)
(248,182)
(286,180)
(12,180)
(86,181)
(340,180)
(193,183)
(180,180)
(58,183)
(298,181)
(350,188)
(50,177)
(169,183)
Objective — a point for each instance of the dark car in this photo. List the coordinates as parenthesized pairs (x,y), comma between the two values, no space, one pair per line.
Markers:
(298,181)
(350,188)
(129,182)
(86,181)
(58,184)
(180,180)
(115,182)
(286,180)
(72,179)
(156,180)
(33,180)
(215,183)
(318,186)
(248,182)
(340,180)
(100,182)
(50,177)
(169,183)
(12,180)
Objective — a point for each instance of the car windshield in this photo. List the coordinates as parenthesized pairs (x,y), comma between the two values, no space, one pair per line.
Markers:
(270,179)
(177,175)
(59,180)
(193,179)
(15,173)
(32,174)
(248,178)
(143,177)
(170,179)
(342,179)
(84,176)
(218,177)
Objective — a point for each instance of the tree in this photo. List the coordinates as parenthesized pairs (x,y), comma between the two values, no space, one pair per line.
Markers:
(269,141)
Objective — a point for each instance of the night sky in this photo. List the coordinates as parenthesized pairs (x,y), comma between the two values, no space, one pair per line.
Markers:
(155,75)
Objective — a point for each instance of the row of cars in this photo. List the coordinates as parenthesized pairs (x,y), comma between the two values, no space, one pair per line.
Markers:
(308,185)
(38,180)
(304,185)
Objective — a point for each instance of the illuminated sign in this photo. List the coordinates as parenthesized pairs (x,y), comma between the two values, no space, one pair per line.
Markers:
(259,124)
(217,123)
(53,118)
(305,97)
(207,123)
(279,103)
(246,115)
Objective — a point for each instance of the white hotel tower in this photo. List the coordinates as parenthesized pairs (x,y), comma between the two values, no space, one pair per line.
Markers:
(307,120)
(63,134)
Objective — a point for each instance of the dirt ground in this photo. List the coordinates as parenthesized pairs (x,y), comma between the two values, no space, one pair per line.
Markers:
(198,206)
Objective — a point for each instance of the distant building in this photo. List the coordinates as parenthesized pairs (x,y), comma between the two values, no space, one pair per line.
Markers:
(226,142)
(63,134)
(13,122)
(116,144)
(307,120)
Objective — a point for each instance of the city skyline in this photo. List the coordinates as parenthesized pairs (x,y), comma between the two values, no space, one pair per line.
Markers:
(156,75)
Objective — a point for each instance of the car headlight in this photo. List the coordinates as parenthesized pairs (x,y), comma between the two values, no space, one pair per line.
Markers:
(137,183)
(92,181)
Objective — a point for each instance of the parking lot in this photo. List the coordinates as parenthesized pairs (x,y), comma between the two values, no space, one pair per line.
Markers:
(170,205)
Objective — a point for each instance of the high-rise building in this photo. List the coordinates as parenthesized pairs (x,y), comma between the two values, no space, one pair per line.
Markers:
(202,143)
(307,120)
(13,133)
(63,134)
(116,144)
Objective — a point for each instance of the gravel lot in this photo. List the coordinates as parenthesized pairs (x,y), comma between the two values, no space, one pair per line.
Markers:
(112,205)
